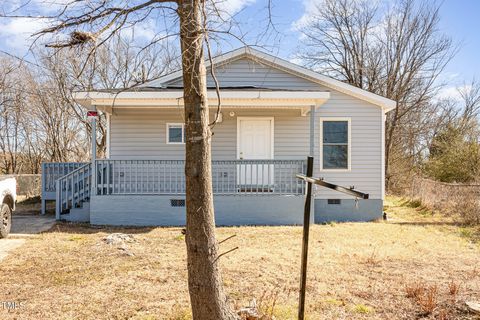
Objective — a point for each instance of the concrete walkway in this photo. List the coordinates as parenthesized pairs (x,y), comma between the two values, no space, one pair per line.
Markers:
(23,227)
(30,224)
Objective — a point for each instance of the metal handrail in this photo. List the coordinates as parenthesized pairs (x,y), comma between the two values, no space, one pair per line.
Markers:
(73,188)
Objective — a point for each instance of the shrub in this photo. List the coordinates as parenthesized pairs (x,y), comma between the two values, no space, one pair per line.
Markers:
(425,296)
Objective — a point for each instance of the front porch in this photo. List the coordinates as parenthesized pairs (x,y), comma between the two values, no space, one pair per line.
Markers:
(122,188)
(258,147)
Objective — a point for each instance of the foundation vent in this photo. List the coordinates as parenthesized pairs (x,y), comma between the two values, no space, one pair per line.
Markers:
(333,201)
(177,202)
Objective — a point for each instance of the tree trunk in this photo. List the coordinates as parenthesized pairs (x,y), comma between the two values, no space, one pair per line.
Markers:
(207,297)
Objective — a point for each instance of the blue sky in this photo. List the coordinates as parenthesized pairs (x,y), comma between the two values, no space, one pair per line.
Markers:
(459,19)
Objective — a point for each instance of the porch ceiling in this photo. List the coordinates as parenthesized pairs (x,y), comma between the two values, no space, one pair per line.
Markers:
(289,99)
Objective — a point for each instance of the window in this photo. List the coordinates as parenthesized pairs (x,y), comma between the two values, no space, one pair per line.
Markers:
(335,138)
(175,133)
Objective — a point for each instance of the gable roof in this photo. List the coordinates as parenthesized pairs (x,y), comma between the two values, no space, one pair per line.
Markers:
(286,66)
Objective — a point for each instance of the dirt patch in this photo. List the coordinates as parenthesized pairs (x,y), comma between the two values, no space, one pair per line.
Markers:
(356,271)
(32,205)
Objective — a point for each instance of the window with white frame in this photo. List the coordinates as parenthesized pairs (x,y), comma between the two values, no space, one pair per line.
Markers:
(175,133)
(335,148)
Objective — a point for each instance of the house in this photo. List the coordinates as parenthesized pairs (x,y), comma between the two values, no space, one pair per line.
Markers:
(274,114)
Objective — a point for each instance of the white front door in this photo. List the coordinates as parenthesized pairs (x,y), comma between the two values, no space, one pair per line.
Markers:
(255,142)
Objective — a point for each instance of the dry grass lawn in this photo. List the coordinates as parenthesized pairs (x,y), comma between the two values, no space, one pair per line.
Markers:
(417,265)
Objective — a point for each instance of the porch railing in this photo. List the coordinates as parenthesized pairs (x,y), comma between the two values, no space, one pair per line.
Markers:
(230,177)
(52,171)
(73,189)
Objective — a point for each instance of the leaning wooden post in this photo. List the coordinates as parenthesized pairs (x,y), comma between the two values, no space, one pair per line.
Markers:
(306,231)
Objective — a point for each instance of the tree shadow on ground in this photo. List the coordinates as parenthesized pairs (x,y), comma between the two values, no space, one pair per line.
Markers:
(86,228)
(426,223)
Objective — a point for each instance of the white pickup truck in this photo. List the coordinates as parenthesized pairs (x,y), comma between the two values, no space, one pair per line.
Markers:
(8,196)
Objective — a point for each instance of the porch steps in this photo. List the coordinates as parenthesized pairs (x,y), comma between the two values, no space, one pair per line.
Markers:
(80,214)
(73,195)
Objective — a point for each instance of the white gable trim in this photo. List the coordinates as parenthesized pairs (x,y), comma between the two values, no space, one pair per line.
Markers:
(212,94)
(281,64)
(301,100)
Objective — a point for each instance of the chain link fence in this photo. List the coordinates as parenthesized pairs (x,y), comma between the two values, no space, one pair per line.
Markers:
(459,200)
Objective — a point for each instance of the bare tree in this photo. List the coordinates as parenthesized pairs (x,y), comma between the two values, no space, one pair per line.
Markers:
(12,113)
(35,126)
(40,121)
(470,101)
(116,65)
(396,52)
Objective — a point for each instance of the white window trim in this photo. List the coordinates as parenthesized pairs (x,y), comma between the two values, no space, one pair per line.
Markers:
(349,149)
(272,133)
(168,132)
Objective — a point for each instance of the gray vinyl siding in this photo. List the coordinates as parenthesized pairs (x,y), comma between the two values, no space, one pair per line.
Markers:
(366,146)
(245,72)
(141,133)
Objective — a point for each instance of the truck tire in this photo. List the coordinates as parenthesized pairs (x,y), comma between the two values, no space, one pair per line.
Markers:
(5,220)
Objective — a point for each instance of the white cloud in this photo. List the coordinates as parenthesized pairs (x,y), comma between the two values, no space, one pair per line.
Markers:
(17,33)
(310,8)
(452,86)
(145,30)
(232,7)
(45,6)
(296,60)
(452,92)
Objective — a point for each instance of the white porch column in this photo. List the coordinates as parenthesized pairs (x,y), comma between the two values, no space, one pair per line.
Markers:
(94,138)
(312,154)
(312,131)
(94,154)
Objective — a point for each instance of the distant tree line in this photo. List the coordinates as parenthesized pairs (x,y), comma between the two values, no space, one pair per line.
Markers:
(39,121)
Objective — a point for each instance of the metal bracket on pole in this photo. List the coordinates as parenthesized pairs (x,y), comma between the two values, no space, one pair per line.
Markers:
(321,182)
